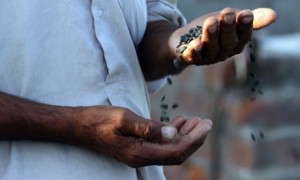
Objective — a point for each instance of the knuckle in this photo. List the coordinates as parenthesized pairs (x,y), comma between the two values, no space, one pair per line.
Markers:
(149,130)
(121,115)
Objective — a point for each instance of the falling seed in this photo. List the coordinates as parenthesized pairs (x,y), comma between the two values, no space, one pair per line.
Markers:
(261,134)
(161,118)
(252,137)
(252,75)
(164,106)
(165,118)
(169,80)
(252,89)
(252,57)
(260,92)
(174,106)
(163,98)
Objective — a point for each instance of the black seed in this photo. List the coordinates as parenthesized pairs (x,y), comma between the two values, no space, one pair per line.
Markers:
(261,134)
(260,92)
(252,57)
(181,49)
(252,137)
(165,118)
(174,106)
(163,98)
(169,80)
(161,118)
(252,89)
(176,63)
(164,106)
(252,74)
(250,45)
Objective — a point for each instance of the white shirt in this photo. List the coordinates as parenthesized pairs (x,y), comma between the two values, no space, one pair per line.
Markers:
(74,53)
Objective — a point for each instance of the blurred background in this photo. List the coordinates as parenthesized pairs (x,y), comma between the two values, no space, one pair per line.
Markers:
(250,140)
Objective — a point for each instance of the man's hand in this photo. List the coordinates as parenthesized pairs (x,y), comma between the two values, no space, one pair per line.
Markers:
(114,131)
(121,134)
(225,34)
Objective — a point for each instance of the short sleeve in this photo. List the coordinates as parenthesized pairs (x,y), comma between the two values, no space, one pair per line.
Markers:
(165,10)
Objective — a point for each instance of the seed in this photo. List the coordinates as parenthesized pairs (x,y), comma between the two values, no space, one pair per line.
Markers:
(261,134)
(174,106)
(252,74)
(260,92)
(163,98)
(169,80)
(252,137)
(252,89)
(164,106)
(252,57)
(165,118)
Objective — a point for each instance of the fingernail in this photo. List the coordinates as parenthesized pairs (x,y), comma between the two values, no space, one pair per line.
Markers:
(229,18)
(247,20)
(206,127)
(168,132)
(209,122)
(212,28)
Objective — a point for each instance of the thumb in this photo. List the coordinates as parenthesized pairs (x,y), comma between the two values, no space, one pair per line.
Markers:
(263,17)
(150,130)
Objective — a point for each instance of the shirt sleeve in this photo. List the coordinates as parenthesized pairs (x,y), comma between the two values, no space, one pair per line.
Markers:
(165,10)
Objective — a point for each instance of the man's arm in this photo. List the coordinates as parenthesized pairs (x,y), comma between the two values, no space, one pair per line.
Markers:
(225,34)
(114,131)
(22,119)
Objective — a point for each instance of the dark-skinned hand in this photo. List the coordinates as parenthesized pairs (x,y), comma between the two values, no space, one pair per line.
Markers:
(225,34)
(135,141)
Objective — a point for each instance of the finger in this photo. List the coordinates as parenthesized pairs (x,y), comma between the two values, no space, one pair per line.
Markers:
(210,40)
(244,29)
(198,134)
(201,129)
(263,17)
(192,54)
(189,125)
(141,153)
(149,130)
(228,34)
(178,121)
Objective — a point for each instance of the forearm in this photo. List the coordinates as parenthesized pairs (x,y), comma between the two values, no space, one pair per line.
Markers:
(156,51)
(22,119)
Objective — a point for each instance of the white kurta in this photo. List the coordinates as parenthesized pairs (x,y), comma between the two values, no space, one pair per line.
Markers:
(74,53)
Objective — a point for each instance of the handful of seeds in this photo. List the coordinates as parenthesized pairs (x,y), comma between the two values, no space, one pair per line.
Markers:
(185,39)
